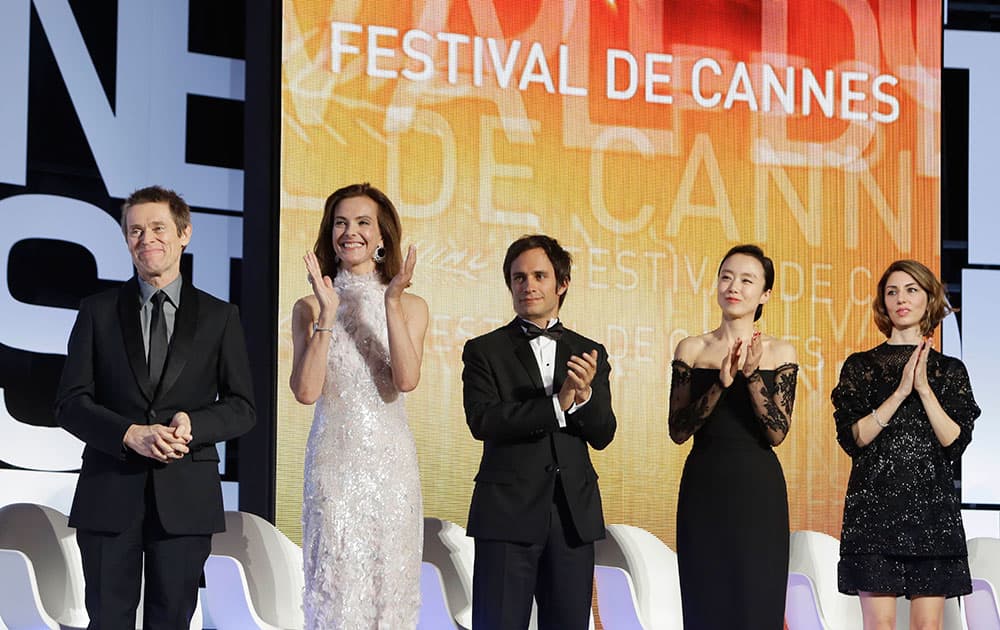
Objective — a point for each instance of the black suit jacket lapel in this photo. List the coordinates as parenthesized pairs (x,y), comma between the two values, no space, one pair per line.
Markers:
(522,350)
(182,340)
(128,317)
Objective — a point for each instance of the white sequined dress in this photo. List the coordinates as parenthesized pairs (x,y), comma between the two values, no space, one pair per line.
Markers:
(362,519)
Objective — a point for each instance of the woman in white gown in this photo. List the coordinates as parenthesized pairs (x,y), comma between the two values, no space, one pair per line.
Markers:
(358,344)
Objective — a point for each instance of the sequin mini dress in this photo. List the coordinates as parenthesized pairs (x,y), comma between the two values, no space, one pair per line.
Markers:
(362,519)
(902,530)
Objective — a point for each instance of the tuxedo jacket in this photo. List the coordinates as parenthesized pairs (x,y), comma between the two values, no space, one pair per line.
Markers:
(524,449)
(105,387)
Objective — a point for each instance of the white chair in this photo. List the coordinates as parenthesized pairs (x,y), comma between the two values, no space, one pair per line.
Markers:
(20,603)
(434,613)
(801,607)
(981,611)
(815,555)
(272,580)
(652,566)
(227,596)
(616,603)
(984,565)
(453,554)
(43,535)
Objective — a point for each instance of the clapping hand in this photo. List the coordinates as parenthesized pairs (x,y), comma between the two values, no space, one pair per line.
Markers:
(580,373)
(402,280)
(731,364)
(755,351)
(322,287)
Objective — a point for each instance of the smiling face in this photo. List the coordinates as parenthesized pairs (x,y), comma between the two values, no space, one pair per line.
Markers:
(356,234)
(905,301)
(533,287)
(740,286)
(155,242)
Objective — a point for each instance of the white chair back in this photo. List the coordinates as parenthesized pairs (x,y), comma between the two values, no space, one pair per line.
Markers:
(453,554)
(272,564)
(652,566)
(227,596)
(816,555)
(616,602)
(981,610)
(45,537)
(20,603)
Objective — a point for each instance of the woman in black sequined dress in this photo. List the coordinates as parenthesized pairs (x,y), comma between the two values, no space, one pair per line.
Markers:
(904,413)
(733,390)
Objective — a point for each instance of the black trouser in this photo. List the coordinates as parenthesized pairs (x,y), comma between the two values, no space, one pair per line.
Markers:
(113,569)
(559,574)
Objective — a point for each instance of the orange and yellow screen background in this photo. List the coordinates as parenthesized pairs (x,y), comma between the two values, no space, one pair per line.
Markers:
(648,137)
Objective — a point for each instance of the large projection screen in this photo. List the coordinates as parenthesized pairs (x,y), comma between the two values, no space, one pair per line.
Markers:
(648,137)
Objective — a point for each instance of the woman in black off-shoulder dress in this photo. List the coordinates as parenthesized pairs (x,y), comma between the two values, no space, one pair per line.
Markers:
(733,390)
(904,414)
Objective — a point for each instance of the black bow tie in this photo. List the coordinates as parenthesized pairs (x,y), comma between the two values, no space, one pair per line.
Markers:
(531,331)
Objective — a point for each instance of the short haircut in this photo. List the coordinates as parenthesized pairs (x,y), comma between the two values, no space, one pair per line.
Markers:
(937,302)
(754,252)
(179,209)
(388,224)
(562,261)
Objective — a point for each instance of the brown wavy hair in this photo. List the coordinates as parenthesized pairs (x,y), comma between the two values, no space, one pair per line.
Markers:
(388,225)
(937,302)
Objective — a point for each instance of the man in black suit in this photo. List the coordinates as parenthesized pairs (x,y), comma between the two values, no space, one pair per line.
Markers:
(156,374)
(536,394)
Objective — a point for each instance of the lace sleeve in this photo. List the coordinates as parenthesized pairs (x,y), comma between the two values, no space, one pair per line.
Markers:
(851,401)
(687,416)
(956,399)
(773,405)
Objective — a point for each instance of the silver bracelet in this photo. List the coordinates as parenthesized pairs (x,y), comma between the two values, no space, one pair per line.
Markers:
(317,328)
(877,421)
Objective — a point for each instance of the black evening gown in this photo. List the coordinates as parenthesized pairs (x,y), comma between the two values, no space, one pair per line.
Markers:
(732,511)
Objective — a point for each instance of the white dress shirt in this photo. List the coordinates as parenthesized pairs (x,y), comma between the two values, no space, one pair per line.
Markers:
(544,349)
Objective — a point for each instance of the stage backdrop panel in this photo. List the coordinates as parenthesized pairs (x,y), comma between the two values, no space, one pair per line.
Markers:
(648,137)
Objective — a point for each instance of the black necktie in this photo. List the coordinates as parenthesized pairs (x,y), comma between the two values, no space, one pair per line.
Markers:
(552,332)
(157,338)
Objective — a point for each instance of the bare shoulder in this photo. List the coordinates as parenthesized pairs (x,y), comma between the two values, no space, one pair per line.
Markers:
(690,348)
(779,351)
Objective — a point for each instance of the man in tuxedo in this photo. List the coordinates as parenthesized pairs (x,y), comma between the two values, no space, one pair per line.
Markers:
(536,394)
(156,374)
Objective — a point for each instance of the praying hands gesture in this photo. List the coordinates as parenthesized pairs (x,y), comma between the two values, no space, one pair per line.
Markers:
(915,371)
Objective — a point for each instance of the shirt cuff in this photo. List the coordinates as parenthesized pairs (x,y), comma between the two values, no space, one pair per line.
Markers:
(560,414)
